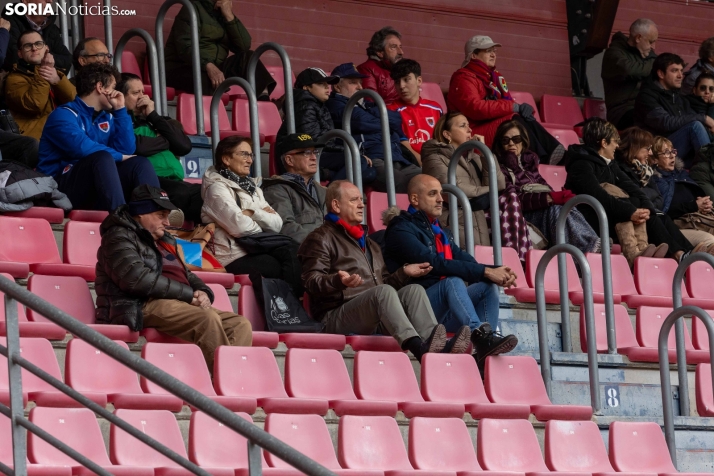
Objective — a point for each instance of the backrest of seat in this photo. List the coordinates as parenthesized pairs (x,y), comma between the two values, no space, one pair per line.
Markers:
(639,447)
(5,440)
(551,272)
(508,445)
(39,352)
(247,372)
(451,378)
(594,108)
(698,279)
(624,334)
(441,444)
(554,175)
(224,124)
(377,203)
(88,369)
(514,379)
(221,301)
(566,137)
(317,373)
(703,387)
(186,114)
(160,425)
(560,110)
(69,293)
(129,63)
(183,361)
(248,307)
(433,92)
(22,317)
(575,446)
(371,442)
(277,73)
(306,433)
(649,322)
(76,427)
(484,255)
(27,240)
(653,276)
(269,120)
(385,376)
(81,242)
(214,445)
(522,97)
(700,338)
(622,281)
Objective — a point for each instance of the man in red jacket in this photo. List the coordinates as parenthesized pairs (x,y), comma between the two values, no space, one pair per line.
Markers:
(384,50)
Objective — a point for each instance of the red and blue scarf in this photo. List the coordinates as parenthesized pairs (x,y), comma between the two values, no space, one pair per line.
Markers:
(493,81)
(443,247)
(355,231)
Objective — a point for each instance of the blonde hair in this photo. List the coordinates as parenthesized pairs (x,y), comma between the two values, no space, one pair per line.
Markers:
(659,144)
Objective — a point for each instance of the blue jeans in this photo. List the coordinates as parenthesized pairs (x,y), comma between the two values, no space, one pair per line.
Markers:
(456,305)
(689,138)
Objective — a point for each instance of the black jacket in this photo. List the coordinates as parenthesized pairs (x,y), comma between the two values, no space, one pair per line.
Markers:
(50,34)
(129,272)
(171,136)
(663,111)
(311,117)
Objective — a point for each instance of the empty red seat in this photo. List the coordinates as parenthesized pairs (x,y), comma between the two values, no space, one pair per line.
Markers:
(314,341)
(129,63)
(433,92)
(698,280)
(26,241)
(374,343)
(441,444)
(52,215)
(227,280)
(560,110)
(522,97)
(277,73)
(89,370)
(594,108)
(703,386)
(700,338)
(376,204)
(649,322)
(322,374)
(517,380)
(452,378)
(566,137)
(653,278)
(71,294)
(248,308)
(623,286)
(170,92)
(555,175)
(80,245)
(551,284)
(253,372)
(389,376)
(186,115)
(625,336)
(78,428)
(97,216)
(186,363)
(45,330)
(32,469)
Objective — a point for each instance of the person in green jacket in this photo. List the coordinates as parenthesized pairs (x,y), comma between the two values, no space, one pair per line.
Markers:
(220,32)
(625,64)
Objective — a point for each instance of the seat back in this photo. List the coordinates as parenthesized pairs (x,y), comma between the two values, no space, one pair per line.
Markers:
(183,361)
(624,334)
(514,379)
(39,352)
(560,110)
(317,373)
(269,120)
(221,301)
(186,114)
(649,322)
(433,92)
(566,137)
(484,255)
(27,240)
(653,276)
(639,447)
(5,440)
(508,445)
(277,73)
(306,433)
(555,175)
(533,257)
(451,378)
(441,444)
(247,372)
(69,293)
(575,446)
(76,427)
(622,281)
(700,338)
(703,386)
(594,108)
(81,242)
(129,63)
(214,445)
(698,279)
(160,425)
(522,97)
(377,203)
(22,317)
(385,376)
(88,369)
(249,308)
(371,442)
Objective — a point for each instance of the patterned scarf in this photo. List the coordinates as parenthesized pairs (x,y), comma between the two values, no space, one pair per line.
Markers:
(443,247)
(246,183)
(643,171)
(355,231)
(491,79)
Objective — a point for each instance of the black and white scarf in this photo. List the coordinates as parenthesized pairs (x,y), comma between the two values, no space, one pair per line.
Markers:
(246,183)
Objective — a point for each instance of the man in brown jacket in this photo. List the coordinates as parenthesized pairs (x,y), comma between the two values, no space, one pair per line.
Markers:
(352,292)
(35,87)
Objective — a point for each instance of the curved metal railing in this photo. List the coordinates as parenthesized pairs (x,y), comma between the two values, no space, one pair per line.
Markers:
(63,25)
(287,79)
(160,106)
(459,194)
(108,30)
(354,174)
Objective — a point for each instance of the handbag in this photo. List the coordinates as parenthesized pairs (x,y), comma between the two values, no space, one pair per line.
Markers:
(696,221)
(202,237)
(264,242)
(281,309)
(7,122)
(614,190)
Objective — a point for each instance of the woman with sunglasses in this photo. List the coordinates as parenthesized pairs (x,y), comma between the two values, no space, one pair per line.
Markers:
(702,96)
(541,205)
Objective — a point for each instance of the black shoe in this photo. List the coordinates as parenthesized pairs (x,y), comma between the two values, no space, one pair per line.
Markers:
(436,341)
(489,342)
(458,344)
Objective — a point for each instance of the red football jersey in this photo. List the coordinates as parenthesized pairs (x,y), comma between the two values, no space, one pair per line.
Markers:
(418,120)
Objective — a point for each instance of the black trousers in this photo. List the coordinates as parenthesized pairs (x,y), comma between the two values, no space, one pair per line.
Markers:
(186,196)
(541,141)
(280,263)
(661,229)
(19,148)
(627,120)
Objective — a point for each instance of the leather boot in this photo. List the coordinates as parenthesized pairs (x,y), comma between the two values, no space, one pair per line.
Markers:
(641,236)
(629,242)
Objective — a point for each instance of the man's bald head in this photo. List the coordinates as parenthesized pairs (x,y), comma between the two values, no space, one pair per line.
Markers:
(425,194)
(420,182)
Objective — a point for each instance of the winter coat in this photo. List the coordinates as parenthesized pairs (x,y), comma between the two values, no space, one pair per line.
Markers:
(4,43)
(700,107)
(650,190)
(471,177)
(378,79)
(300,212)
(72,132)
(663,111)
(523,171)
(679,192)
(623,70)
(312,117)
(220,206)
(51,35)
(161,140)
(27,96)
(690,77)
(129,269)
(24,188)
(468,95)
(703,171)
(329,249)
(216,37)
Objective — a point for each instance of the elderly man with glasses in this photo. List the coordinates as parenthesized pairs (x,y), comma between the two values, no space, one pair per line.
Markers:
(90,50)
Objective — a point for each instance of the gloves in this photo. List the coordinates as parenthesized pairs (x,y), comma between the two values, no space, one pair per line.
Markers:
(526,111)
(562,197)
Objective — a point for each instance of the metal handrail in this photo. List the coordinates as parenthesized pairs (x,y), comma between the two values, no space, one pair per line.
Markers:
(606,271)
(456,192)
(63,25)
(75,27)
(14,293)
(161,108)
(195,58)
(351,151)
(252,112)
(108,31)
(288,106)
(579,257)
(492,193)
(662,348)
(386,143)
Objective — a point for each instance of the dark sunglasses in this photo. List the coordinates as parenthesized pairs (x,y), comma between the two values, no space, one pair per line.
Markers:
(515,139)
(704,88)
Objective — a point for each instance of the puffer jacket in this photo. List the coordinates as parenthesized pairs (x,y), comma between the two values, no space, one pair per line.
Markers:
(312,117)
(51,35)
(471,177)
(330,249)
(129,272)
(300,212)
(663,111)
(679,192)
(223,204)
(690,77)
(378,79)
(703,171)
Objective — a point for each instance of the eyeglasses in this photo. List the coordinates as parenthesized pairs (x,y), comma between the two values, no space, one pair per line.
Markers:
(244,154)
(100,56)
(704,88)
(306,153)
(515,139)
(37,45)
(668,153)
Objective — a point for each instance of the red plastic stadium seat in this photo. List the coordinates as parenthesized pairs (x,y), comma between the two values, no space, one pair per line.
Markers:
(566,137)
(622,282)
(26,241)
(227,280)
(248,308)
(649,322)
(441,444)
(700,339)
(552,287)
(698,278)
(314,341)
(71,294)
(96,216)
(277,73)
(243,279)
(87,369)
(129,63)
(555,175)
(625,336)
(253,372)
(170,92)
(450,378)
(269,122)
(186,363)
(81,242)
(594,108)
(45,330)
(376,204)
(653,278)
(52,215)
(433,92)
(517,379)
(560,110)
(374,343)
(32,469)
(186,115)
(526,98)
(484,255)
(389,376)
(322,374)
(78,428)
(703,385)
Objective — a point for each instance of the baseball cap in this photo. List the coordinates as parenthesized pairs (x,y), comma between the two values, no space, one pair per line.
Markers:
(477,43)
(347,70)
(312,76)
(293,142)
(148,199)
